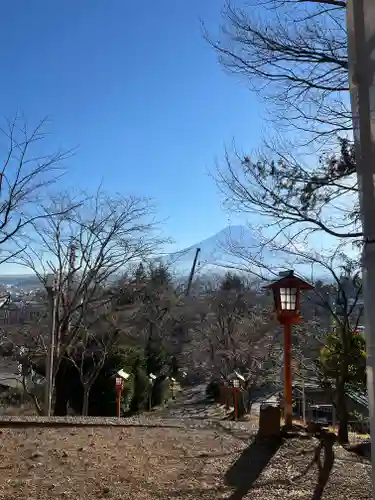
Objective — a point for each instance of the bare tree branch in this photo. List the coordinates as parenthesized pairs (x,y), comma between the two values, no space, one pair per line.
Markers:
(293,53)
(292,197)
(25,173)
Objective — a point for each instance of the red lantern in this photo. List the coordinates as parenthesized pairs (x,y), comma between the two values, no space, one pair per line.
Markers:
(286,294)
(119,389)
(119,384)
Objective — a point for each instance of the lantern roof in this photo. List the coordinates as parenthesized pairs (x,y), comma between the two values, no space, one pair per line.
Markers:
(290,280)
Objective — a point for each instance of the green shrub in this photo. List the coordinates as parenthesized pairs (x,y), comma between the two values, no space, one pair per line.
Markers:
(103,392)
(174,368)
(141,392)
(141,387)
(12,396)
(156,357)
(161,391)
(213,390)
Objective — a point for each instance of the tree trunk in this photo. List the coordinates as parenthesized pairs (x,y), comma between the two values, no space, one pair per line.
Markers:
(249,400)
(62,390)
(241,404)
(342,411)
(32,396)
(85,406)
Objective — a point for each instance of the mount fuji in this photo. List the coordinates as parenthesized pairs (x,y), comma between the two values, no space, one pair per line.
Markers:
(222,250)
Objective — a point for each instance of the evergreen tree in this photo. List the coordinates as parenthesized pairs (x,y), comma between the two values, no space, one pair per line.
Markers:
(141,386)
(232,282)
(156,357)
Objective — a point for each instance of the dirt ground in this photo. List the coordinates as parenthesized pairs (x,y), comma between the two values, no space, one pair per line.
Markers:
(166,463)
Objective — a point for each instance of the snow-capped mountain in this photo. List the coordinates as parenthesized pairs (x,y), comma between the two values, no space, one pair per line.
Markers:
(228,247)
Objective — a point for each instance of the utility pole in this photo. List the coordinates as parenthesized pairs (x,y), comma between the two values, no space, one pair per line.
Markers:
(361,44)
(51,294)
(191,276)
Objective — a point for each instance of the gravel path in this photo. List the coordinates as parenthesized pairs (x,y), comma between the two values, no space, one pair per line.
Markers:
(192,404)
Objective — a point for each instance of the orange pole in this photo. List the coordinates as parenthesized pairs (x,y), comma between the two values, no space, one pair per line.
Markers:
(288,408)
(118,403)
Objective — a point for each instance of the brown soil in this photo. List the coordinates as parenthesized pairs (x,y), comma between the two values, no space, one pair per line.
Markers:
(166,463)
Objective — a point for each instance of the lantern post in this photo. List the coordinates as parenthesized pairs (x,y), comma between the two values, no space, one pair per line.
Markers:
(173,386)
(236,393)
(151,379)
(286,294)
(120,377)
(119,389)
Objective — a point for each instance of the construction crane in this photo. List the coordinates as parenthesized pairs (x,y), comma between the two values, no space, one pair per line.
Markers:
(192,271)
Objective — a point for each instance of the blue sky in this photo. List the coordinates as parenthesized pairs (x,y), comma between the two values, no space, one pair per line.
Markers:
(137,89)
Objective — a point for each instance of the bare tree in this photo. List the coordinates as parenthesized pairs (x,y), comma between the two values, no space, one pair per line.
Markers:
(234,332)
(85,247)
(90,354)
(25,174)
(294,54)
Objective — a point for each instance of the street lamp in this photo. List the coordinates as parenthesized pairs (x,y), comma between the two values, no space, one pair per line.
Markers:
(286,294)
(173,382)
(151,379)
(120,378)
(119,388)
(236,389)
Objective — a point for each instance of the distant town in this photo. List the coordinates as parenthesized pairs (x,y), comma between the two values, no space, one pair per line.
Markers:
(22,299)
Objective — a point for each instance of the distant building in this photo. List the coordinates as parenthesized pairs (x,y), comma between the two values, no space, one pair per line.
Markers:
(21,312)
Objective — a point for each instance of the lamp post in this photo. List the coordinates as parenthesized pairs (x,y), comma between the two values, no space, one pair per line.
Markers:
(236,390)
(151,379)
(286,294)
(119,388)
(120,378)
(173,381)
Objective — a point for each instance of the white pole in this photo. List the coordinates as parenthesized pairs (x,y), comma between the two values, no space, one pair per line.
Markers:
(361,43)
